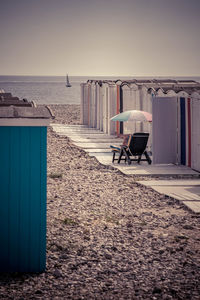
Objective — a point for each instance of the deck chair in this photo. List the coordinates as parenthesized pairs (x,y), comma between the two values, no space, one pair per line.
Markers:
(135,149)
(116,149)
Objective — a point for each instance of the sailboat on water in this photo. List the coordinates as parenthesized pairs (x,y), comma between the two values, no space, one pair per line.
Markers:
(67,81)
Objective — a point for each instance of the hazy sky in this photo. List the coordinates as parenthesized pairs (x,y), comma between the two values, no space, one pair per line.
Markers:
(100,37)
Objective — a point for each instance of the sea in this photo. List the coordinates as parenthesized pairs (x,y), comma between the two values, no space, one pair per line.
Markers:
(52,89)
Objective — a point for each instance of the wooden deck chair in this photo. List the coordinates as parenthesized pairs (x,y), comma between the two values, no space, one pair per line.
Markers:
(135,148)
(116,150)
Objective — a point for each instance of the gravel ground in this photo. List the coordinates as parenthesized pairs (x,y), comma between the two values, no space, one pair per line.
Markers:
(107,236)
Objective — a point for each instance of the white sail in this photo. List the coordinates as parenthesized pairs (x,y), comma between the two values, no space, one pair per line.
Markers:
(67,81)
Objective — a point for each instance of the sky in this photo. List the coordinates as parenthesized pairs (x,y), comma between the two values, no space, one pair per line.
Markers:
(100,37)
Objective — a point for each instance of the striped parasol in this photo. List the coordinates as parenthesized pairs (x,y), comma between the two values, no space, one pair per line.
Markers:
(133,115)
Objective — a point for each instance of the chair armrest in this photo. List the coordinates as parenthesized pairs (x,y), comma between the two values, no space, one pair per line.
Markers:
(124,146)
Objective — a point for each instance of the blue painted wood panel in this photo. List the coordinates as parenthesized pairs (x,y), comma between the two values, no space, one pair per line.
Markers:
(4,195)
(23,199)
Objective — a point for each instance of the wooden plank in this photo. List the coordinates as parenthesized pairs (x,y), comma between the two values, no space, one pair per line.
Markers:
(4,203)
(14,199)
(43,195)
(34,197)
(24,213)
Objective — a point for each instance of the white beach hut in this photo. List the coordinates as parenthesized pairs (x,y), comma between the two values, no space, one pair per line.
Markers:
(84,104)
(176,128)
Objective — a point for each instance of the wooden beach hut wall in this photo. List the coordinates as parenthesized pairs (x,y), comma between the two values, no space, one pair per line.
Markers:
(93,105)
(89,104)
(101,104)
(176,132)
(195,137)
(101,96)
(98,97)
(84,104)
(119,108)
(147,106)
(105,107)
(89,94)
(112,107)
(164,130)
(23,134)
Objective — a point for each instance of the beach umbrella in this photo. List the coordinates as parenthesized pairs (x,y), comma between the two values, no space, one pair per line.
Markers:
(133,115)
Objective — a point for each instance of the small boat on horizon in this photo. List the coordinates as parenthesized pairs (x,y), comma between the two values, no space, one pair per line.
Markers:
(67,81)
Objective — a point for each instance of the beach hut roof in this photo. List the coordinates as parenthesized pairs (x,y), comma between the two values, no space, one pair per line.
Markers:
(165,86)
(35,112)
(13,107)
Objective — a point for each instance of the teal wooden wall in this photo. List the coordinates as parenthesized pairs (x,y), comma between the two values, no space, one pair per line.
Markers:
(23,199)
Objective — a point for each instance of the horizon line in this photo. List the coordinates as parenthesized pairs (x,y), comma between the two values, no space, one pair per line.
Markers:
(101,75)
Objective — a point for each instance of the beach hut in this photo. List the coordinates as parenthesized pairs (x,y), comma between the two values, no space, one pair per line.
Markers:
(176,132)
(23,135)
(99,97)
(89,104)
(84,104)
(105,107)
(112,107)
(93,105)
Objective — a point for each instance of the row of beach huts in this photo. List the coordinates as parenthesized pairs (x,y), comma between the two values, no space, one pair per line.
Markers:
(175,107)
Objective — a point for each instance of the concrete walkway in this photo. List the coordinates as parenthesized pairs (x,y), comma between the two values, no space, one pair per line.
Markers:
(185,190)
(97,144)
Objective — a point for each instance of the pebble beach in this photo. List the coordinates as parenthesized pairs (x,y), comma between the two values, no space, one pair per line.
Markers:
(107,236)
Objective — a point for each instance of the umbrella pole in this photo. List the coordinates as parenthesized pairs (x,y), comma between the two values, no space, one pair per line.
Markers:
(121,110)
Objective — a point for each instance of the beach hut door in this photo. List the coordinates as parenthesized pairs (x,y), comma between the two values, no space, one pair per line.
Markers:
(164,130)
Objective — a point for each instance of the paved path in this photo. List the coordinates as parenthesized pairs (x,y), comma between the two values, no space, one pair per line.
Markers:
(185,190)
(97,144)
